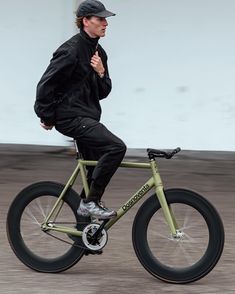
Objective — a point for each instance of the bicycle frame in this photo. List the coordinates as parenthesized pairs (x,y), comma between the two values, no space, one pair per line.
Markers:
(154,181)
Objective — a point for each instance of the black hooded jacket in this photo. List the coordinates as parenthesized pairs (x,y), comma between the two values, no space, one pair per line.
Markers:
(70,87)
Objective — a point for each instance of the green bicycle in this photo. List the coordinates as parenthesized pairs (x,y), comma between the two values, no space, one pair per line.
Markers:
(177,234)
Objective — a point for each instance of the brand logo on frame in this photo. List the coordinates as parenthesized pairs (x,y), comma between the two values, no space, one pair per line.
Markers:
(135,198)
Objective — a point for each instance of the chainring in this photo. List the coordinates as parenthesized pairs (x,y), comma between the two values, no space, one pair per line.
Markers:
(89,242)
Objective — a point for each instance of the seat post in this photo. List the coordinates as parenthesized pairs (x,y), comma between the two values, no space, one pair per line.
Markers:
(76,148)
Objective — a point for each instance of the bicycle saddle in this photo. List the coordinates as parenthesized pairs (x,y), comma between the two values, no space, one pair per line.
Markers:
(152,153)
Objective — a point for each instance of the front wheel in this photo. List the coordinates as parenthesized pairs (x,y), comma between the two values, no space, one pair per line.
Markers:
(53,252)
(198,246)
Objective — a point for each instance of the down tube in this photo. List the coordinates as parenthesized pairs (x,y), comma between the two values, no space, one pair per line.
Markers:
(131,202)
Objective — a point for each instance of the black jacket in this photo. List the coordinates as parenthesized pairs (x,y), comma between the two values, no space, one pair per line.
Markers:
(70,87)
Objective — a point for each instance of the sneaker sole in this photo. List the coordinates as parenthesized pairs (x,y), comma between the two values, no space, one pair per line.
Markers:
(110,217)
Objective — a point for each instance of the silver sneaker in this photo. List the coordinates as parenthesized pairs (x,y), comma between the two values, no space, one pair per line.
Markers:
(93,209)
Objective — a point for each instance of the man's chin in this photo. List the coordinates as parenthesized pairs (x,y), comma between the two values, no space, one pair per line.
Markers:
(102,34)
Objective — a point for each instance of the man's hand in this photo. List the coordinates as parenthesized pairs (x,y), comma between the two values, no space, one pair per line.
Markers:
(97,64)
(46,127)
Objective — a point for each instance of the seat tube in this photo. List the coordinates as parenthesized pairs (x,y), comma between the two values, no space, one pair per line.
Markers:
(84,178)
(161,196)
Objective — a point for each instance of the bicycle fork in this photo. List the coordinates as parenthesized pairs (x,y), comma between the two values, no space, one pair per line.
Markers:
(167,211)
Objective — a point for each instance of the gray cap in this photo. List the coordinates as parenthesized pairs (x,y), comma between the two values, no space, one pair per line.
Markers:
(93,8)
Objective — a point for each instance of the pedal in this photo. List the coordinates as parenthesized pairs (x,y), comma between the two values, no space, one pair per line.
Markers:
(92,252)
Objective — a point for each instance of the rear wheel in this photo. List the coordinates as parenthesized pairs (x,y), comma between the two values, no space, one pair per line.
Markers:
(198,245)
(35,248)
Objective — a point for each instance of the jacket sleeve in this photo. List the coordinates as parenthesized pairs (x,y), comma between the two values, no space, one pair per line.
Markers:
(59,71)
(105,83)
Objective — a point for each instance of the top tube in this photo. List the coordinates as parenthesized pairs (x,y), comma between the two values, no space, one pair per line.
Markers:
(123,164)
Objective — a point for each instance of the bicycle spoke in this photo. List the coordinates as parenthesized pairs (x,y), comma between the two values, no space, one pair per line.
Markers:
(182,250)
(31,216)
(38,201)
(35,238)
(186,218)
(157,234)
(48,206)
(186,255)
(161,219)
(190,239)
(194,225)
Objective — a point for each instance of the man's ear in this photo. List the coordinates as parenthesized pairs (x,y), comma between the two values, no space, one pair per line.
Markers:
(85,21)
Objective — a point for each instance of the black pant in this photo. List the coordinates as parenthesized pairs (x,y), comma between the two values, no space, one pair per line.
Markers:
(95,142)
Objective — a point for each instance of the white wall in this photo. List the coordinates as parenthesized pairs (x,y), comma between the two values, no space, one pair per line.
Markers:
(172,63)
(30,31)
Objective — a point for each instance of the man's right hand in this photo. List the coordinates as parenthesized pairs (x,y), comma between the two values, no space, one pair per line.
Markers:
(45,126)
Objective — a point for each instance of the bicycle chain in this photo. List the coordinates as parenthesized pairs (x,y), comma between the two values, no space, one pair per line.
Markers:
(60,239)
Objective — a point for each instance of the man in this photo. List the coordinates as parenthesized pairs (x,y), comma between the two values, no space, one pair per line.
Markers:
(68,97)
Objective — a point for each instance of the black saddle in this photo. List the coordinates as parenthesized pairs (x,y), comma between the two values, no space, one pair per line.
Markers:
(152,153)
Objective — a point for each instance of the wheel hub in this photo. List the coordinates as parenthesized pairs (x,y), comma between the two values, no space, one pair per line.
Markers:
(180,235)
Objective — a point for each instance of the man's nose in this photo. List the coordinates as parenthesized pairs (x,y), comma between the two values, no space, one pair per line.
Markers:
(105,22)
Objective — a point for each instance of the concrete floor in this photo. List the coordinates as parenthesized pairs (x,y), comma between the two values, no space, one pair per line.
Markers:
(117,270)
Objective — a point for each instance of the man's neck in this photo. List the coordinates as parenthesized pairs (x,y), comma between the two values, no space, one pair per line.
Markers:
(89,33)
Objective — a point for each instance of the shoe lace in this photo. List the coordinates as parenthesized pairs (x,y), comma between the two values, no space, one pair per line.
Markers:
(102,204)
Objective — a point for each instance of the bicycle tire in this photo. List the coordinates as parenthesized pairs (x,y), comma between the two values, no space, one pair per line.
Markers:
(211,256)
(17,239)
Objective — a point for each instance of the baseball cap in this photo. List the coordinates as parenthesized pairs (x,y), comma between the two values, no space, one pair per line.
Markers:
(93,8)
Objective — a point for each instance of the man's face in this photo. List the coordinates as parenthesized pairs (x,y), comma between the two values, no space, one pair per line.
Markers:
(95,26)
